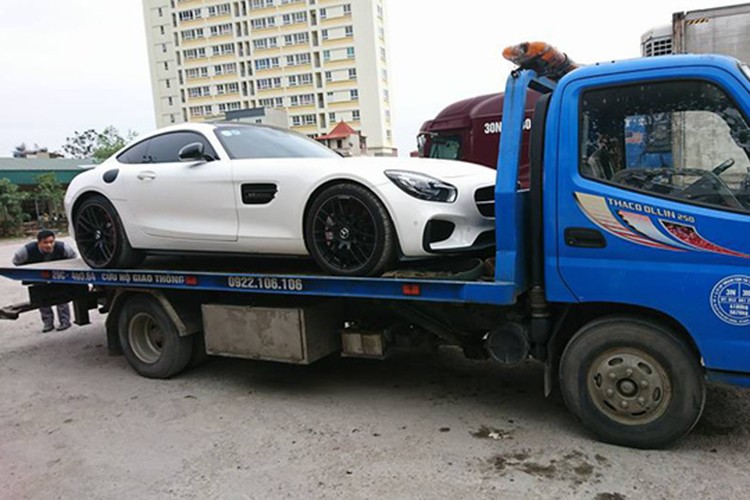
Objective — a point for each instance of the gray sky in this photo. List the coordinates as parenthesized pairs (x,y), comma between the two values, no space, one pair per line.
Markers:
(78,64)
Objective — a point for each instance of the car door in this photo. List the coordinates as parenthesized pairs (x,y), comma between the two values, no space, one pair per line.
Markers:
(654,202)
(175,202)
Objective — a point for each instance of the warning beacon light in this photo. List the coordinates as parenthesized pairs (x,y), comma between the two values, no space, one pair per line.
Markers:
(541,57)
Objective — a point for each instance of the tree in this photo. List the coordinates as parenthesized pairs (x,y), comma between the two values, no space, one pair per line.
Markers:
(96,145)
(81,144)
(11,212)
(49,196)
(109,142)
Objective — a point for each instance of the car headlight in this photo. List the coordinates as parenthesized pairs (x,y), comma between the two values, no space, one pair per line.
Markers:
(423,186)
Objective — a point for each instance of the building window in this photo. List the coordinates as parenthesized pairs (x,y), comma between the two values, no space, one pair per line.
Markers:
(323,13)
(296,39)
(352,74)
(297,59)
(261,4)
(263,22)
(223,49)
(278,102)
(203,91)
(309,119)
(347,9)
(219,10)
(382,53)
(295,18)
(267,63)
(354,94)
(193,73)
(332,117)
(329,76)
(229,106)
(355,115)
(296,121)
(189,15)
(350,52)
(269,83)
(161,12)
(386,95)
(192,34)
(221,30)
(349,31)
(224,69)
(326,55)
(194,53)
(265,43)
(324,34)
(206,110)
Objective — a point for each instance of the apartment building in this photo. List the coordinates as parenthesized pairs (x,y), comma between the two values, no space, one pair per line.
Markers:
(324,61)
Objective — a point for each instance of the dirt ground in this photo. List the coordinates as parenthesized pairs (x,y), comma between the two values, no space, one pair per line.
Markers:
(76,423)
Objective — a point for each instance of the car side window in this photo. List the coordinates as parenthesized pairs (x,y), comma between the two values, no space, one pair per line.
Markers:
(685,140)
(166,148)
(135,153)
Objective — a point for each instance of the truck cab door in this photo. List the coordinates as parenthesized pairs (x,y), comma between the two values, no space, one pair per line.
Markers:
(653,201)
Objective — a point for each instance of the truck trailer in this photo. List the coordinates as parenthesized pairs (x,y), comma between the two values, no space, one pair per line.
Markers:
(631,283)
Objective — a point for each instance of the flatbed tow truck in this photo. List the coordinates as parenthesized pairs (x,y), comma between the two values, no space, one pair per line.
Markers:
(631,285)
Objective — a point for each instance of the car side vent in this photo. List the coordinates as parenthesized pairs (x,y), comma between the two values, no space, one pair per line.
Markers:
(485,200)
(258,194)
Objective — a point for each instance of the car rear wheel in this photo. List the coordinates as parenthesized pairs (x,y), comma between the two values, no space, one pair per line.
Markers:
(100,236)
(349,232)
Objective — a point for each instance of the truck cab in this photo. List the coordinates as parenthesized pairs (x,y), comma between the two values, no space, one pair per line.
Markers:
(644,254)
(469,130)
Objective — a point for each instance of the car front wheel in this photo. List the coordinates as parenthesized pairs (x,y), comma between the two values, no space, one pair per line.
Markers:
(349,232)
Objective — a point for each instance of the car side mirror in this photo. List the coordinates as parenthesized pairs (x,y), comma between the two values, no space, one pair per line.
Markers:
(192,152)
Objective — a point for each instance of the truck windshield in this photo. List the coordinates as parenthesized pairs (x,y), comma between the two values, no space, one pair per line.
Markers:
(254,141)
(445,147)
(685,140)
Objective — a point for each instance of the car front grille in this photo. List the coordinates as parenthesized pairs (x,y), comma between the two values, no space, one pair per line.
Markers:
(485,200)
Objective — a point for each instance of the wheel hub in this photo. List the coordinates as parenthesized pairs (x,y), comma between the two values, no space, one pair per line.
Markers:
(629,386)
(344,233)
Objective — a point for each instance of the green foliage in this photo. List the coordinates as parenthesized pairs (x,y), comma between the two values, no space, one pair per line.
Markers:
(11,213)
(49,196)
(97,145)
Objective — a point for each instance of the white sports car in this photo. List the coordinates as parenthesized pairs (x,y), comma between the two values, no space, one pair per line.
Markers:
(252,189)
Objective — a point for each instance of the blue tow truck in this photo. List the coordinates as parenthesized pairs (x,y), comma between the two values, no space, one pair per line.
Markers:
(630,281)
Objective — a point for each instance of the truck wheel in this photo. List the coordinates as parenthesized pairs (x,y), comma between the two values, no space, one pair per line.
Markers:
(149,339)
(349,233)
(632,382)
(100,236)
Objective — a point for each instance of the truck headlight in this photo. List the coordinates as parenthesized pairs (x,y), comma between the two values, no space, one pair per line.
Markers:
(423,186)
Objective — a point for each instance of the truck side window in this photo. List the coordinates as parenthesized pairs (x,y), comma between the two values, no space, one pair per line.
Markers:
(683,139)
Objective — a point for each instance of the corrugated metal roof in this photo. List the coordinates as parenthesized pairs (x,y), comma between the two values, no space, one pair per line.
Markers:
(44,164)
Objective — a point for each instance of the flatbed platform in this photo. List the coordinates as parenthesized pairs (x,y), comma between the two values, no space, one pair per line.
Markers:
(267,276)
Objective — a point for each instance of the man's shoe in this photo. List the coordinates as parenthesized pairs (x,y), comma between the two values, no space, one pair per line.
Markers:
(48,328)
(63,327)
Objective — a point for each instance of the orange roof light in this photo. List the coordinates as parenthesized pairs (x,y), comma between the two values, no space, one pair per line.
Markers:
(541,57)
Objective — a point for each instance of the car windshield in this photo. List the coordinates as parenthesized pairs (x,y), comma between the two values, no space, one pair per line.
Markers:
(249,142)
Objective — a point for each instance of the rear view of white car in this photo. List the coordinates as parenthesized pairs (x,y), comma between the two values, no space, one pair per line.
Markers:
(249,189)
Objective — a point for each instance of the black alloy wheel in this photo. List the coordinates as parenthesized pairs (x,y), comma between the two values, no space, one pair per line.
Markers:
(96,235)
(349,233)
(100,236)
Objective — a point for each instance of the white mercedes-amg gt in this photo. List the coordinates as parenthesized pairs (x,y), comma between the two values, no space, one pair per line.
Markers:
(252,189)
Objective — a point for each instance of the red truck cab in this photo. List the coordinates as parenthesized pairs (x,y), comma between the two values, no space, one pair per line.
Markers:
(469,130)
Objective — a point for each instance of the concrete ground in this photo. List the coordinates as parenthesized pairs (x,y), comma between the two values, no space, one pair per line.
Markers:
(76,423)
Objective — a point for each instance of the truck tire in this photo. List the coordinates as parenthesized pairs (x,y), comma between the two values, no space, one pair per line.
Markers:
(149,339)
(632,382)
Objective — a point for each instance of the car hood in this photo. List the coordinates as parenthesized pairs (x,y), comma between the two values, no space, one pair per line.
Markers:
(441,169)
